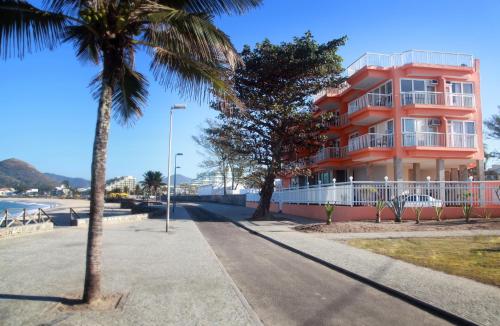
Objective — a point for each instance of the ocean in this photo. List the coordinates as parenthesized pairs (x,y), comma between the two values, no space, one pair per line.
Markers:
(16,208)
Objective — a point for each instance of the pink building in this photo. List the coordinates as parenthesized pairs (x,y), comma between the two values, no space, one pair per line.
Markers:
(407,116)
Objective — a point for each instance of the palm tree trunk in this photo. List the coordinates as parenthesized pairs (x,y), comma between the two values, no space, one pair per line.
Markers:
(92,287)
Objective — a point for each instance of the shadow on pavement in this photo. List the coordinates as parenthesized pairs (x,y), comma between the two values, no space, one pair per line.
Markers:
(23,297)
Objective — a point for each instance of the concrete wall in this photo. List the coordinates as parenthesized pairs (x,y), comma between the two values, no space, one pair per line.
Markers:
(112,219)
(25,229)
(237,200)
(363,213)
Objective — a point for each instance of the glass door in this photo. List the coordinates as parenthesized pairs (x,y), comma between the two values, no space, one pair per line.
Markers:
(409,138)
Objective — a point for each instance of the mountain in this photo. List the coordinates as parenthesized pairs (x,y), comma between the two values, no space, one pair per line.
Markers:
(21,175)
(73,182)
(181,179)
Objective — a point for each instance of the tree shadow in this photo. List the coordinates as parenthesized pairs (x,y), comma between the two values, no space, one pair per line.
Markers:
(40,298)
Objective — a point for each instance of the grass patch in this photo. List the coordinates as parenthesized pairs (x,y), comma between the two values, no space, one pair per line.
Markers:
(477,258)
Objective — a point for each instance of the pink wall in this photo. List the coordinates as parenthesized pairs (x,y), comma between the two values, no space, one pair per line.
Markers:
(360,213)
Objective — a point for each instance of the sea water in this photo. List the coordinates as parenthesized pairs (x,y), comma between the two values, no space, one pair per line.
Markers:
(16,208)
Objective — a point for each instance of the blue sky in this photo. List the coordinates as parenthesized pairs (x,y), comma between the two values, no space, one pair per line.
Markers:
(48,115)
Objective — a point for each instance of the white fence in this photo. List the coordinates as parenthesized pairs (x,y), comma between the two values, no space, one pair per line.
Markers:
(367,193)
(412,56)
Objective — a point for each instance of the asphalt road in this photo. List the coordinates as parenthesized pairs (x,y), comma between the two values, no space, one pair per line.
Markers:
(284,288)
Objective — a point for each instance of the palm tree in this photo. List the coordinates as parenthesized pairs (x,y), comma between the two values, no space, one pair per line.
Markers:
(189,53)
(153,180)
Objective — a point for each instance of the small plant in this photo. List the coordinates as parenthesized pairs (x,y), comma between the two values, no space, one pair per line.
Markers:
(467,207)
(439,212)
(329,209)
(379,206)
(418,212)
(397,205)
(485,213)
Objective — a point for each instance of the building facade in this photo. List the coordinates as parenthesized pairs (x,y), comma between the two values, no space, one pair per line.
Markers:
(407,116)
(122,183)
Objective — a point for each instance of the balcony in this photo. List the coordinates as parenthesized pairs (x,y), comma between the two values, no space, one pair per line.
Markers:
(331,91)
(371,140)
(438,98)
(370,108)
(426,144)
(412,56)
(339,121)
(329,153)
(371,147)
(424,139)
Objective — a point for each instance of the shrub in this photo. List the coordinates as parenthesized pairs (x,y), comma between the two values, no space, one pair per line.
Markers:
(397,205)
(467,207)
(329,209)
(418,212)
(439,212)
(379,206)
(485,213)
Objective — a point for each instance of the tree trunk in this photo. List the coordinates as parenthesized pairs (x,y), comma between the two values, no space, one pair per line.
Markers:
(92,287)
(224,175)
(266,194)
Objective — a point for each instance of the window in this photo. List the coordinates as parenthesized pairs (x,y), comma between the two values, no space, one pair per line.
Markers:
(461,134)
(421,132)
(418,91)
(460,94)
(381,96)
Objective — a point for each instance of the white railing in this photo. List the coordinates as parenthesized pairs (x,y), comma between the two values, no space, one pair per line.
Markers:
(462,140)
(369,99)
(367,193)
(370,140)
(412,56)
(339,121)
(331,91)
(329,153)
(426,139)
(460,100)
(437,98)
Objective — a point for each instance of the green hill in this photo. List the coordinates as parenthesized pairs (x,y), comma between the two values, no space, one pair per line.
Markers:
(21,175)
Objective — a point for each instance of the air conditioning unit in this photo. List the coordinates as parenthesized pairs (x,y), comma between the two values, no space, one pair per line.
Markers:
(433,82)
(434,122)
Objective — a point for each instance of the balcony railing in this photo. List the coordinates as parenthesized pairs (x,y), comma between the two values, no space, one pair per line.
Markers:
(369,99)
(462,140)
(412,56)
(371,140)
(331,91)
(426,139)
(339,121)
(329,153)
(438,98)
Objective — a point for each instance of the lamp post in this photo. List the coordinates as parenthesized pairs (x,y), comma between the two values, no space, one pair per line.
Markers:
(175,107)
(175,179)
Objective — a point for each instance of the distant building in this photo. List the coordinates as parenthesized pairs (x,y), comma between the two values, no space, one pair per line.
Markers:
(31,192)
(5,192)
(493,173)
(122,183)
(62,191)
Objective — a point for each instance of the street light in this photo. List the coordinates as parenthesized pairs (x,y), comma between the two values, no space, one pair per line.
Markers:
(175,179)
(175,107)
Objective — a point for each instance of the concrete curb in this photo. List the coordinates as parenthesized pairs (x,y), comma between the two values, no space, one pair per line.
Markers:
(28,229)
(252,314)
(82,222)
(439,312)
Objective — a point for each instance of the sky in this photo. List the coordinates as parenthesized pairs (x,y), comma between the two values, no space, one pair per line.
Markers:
(47,113)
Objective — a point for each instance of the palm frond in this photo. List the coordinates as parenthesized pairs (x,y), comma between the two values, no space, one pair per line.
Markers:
(213,7)
(130,92)
(25,28)
(190,77)
(85,43)
(130,95)
(180,31)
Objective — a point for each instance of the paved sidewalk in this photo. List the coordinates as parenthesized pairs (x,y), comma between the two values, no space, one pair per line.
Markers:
(467,298)
(173,279)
